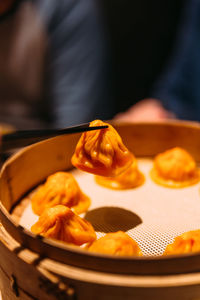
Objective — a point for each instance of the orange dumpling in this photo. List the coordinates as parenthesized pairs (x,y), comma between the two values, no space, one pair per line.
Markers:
(102,152)
(130,178)
(60,223)
(187,242)
(175,168)
(116,243)
(60,188)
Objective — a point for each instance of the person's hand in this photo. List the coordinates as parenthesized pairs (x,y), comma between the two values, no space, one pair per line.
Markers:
(145,110)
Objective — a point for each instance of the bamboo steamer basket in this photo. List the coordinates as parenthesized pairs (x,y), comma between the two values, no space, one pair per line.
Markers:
(33,267)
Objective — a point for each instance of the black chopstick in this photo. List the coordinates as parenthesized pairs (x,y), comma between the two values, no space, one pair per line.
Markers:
(21,138)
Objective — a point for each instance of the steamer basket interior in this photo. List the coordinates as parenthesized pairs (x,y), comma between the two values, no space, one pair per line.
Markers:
(29,167)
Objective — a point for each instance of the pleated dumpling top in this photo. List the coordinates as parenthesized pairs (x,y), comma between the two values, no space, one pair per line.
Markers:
(60,223)
(102,152)
(60,188)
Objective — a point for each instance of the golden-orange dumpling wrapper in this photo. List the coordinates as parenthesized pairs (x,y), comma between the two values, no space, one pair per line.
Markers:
(60,223)
(60,188)
(187,242)
(116,243)
(128,179)
(175,168)
(102,152)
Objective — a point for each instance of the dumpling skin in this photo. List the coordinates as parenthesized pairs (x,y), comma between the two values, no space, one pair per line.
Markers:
(116,243)
(188,242)
(60,188)
(129,179)
(175,168)
(62,224)
(102,152)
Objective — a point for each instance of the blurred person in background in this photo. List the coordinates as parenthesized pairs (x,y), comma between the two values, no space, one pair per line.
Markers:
(54,67)
(53,63)
(156,57)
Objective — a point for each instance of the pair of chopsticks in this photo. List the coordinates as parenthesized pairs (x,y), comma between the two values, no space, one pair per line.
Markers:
(21,138)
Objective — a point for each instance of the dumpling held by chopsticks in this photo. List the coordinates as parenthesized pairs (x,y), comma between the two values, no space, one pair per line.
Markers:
(102,152)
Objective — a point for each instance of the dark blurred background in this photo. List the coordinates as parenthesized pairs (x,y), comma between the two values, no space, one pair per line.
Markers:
(68,62)
(142,35)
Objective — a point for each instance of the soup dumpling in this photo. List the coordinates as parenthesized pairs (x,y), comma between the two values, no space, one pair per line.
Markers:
(175,168)
(115,243)
(102,152)
(60,188)
(60,223)
(187,242)
(130,178)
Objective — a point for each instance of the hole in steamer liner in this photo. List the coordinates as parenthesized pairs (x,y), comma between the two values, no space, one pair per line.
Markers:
(112,219)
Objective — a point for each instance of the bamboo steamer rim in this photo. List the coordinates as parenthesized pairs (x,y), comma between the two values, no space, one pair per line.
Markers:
(74,256)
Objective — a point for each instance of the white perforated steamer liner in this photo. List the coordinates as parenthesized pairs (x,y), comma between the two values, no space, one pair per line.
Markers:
(151,214)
